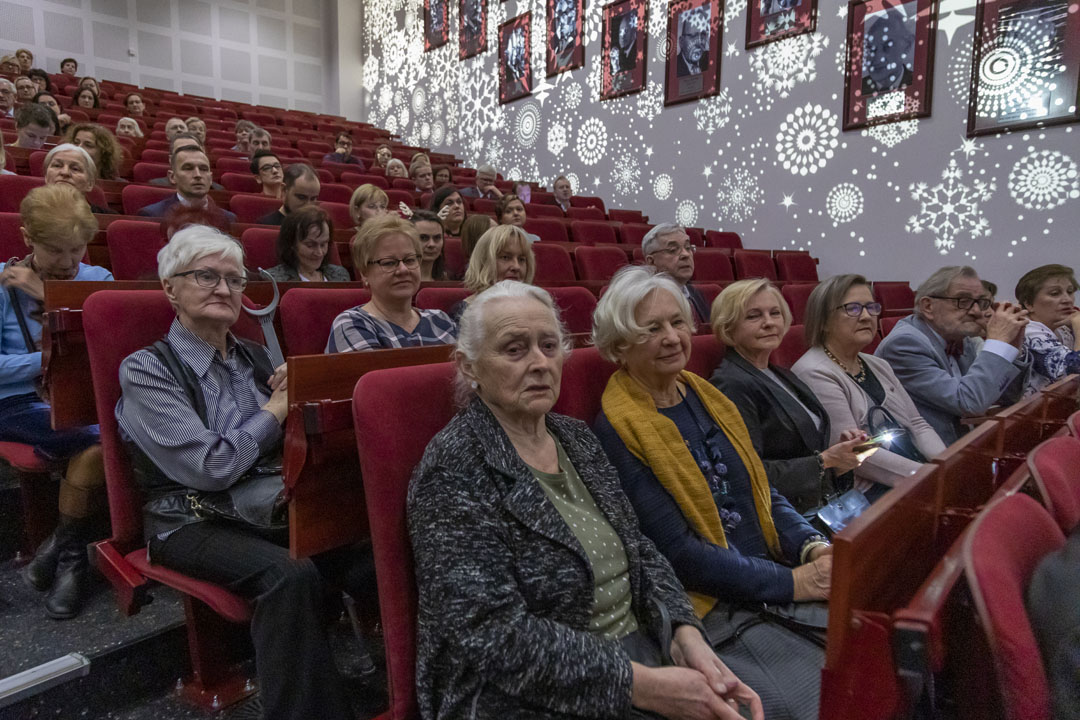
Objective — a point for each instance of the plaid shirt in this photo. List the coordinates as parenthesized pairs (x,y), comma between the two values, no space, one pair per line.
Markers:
(357,329)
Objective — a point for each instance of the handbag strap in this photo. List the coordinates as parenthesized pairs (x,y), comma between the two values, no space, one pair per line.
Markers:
(31,346)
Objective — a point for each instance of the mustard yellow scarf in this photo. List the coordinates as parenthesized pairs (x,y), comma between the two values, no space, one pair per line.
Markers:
(656,441)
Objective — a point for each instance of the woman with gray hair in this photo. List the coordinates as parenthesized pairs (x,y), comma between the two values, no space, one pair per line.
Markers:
(202,411)
(859,390)
(686,461)
(1053,335)
(538,594)
(72,165)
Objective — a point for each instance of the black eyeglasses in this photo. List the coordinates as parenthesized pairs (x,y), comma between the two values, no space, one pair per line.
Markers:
(966,303)
(854,309)
(389,265)
(270,168)
(675,249)
(209,279)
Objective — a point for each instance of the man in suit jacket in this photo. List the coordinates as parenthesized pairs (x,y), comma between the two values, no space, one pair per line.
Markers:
(485,184)
(935,356)
(189,171)
(667,247)
(183,139)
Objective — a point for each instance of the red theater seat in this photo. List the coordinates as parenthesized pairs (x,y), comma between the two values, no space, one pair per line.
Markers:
(335,193)
(585,213)
(136,197)
(535,210)
(249,208)
(586,201)
(712,266)
(453,257)
(144,172)
(632,233)
(598,263)
(792,347)
(133,248)
(885,323)
(239,165)
(356,180)
(796,296)
(240,183)
(441,298)
(590,232)
(11,240)
(260,248)
(750,264)
(396,197)
(896,298)
(626,216)
(553,264)
(549,229)
(576,305)
(13,188)
(720,239)
(306,315)
(1055,466)
(796,267)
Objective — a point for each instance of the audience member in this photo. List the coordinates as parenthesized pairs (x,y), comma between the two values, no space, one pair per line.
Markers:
(501,253)
(181,140)
(85,99)
(90,83)
(266,167)
(56,225)
(7,98)
(181,448)
(367,201)
(419,157)
(383,155)
(859,390)
(259,140)
(788,427)
(25,58)
(69,67)
(303,248)
(102,147)
(1055,621)
(396,169)
(342,153)
(510,210)
(667,247)
(1053,335)
(471,231)
(182,216)
(430,230)
(9,65)
(189,171)
(420,174)
(128,127)
(485,184)
(25,89)
(448,204)
(243,135)
(33,124)
(135,105)
(934,355)
(72,165)
(441,175)
(197,127)
(41,80)
(173,127)
(386,253)
(569,612)
(563,192)
(301,188)
(63,120)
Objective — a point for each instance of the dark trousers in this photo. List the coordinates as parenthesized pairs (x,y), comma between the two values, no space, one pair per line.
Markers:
(296,671)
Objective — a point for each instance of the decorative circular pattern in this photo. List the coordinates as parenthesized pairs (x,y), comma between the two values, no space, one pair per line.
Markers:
(419,99)
(591,141)
(425,131)
(556,139)
(371,73)
(575,184)
(662,186)
(1043,180)
(713,113)
(1016,65)
(572,96)
(438,132)
(686,213)
(626,175)
(807,139)
(527,125)
(844,203)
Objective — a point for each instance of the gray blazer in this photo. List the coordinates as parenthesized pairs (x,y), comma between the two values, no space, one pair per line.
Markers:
(847,405)
(917,356)
(505,588)
(287,273)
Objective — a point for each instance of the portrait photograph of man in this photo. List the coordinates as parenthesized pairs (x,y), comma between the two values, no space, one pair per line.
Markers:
(436,25)
(565,46)
(515,66)
(472,21)
(888,60)
(693,41)
(623,49)
(693,64)
(771,20)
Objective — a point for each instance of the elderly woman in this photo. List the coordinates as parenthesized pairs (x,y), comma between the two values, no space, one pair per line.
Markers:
(688,465)
(102,147)
(202,412)
(303,248)
(129,128)
(383,155)
(243,135)
(367,201)
(450,206)
(538,595)
(56,226)
(788,427)
(472,230)
(85,99)
(396,169)
(510,210)
(859,390)
(1053,334)
(441,175)
(72,165)
(386,252)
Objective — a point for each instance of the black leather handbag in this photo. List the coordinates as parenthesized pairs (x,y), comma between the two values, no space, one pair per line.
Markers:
(880,421)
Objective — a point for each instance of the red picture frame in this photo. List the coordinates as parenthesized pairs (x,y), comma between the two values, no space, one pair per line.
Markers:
(565,36)
(624,31)
(771,20)
(890,61)
(472,28)
(515,58)
(693,64)
(436,23)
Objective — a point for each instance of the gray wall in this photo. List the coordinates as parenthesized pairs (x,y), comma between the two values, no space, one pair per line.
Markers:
(273,52)
(766,158)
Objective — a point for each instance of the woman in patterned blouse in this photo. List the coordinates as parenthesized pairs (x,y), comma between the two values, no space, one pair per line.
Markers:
(1053,335)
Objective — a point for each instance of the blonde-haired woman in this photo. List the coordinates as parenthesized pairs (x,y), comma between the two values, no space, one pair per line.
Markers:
(501,253)
(368,201)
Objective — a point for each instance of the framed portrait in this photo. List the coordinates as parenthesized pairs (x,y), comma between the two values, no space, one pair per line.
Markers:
(515,58)
(890,61)
(693,61)
(436,23)
(472,28)
(565,42)
(623,49)
(1025,65)
(768,20)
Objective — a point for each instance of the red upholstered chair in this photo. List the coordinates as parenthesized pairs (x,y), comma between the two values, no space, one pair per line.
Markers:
(260,248)
(13,189)
(712,266)
(1074,424)
(144,172)
(136,197)
(402,184)
(390,444)
(633,233)
(249,208)
(796,267)
(453,257)
(585,213)
(1002,547)
(708,291)
(576,304)
(897,298)
(399,196)
(11,240)
(537,210)
(1055,466)
(133,248)
(441,298)
(586,201)
(240,183)
(307,314)
(598,263)
(335,193)
(626,216)
(553,264)
(326,172)
(38,495)
(886,324)
(549,229)
(791,347)
(585,375)
(797,295)
(116,323)
(750,264)
(357,179)
(338,212)
(721,239)
(239,165)
(706,352)
(592,232)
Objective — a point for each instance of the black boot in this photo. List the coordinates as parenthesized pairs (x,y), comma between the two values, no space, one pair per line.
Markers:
(41,571)
(66,597)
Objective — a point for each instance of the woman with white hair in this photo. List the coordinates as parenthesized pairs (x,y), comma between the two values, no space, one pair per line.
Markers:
(202,414)
(70,164)
(538,595)
(396,169)
(128,127)
(749,561)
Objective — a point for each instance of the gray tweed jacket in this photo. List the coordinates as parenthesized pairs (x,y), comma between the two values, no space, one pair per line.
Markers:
(505,588)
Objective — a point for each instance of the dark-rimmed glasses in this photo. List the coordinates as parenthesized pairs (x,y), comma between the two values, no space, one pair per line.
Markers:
(854,309)
(966,303)
(389,265)
(674,249)
(209,279)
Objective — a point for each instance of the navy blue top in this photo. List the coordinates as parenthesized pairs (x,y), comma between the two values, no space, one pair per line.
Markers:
(742,572)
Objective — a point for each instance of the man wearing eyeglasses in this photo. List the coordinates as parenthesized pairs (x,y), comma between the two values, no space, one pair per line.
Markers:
(7,98)
(266,167)
(667,247)
(935,352)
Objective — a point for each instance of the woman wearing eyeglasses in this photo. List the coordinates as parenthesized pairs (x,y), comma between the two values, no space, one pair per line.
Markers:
(386,252)
(859,390)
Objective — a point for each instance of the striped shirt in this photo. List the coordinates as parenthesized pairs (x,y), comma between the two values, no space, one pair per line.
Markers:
(357,329)
(155,414)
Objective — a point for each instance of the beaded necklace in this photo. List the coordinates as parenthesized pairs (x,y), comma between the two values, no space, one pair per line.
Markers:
(859,378)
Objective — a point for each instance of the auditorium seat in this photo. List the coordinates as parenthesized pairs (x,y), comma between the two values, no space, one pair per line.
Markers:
(453,257)
(797,295)
(13,188)
(482,205)
(395,197)
(335,193)
(402,184)
(633,233)
(591,232)
(240,183)
(886,323)
(536,210)
(356,180)
(553,264)
(1002,548)
(136,197)
(549,229)
(626,216)
(587,201)
(598,263)
(897,298)
(721,239)
(11,240)
(441,298)
(260,248)
(585,213)
(133,248)
(750,264)
(338,212)
(576,306)
(1055,467)
(796,267)
(249,208)
(144,172)
(233,164)
(306,315)
(791,348)
(712,266)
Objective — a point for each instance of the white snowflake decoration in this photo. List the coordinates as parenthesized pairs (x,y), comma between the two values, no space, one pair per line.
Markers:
(844,203)
(394,45)
(950,208)
(403,116)
(650,101)
(890,134)
(686,213)
(575,184)
(782,64)
(626,175)
(591,141)
(479,113)
(390,124)
(713,113)
(386,99)
(556,139)
(425,131)
(419,100)
(739,194)
(494,152)
(662,186)
(807,139)
(1043,180)
(438,132)
(371,73)
(527,125)
(572,96)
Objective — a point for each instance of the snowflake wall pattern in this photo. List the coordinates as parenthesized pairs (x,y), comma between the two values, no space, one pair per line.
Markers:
(626,175)
(807,139)
(951,208)
(1044,179)
(592,141)
(844,203)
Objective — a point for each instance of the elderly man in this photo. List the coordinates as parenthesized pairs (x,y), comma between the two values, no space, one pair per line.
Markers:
(667,247)
(25,89)
(33,126)
(189,171)
(7,98)
(693,42)
(302,188)
(178,141)
(485,184)
(197,127)
(935,354)
(421,175)
(267,169)
(174,127)
(259,140)
(563,192)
